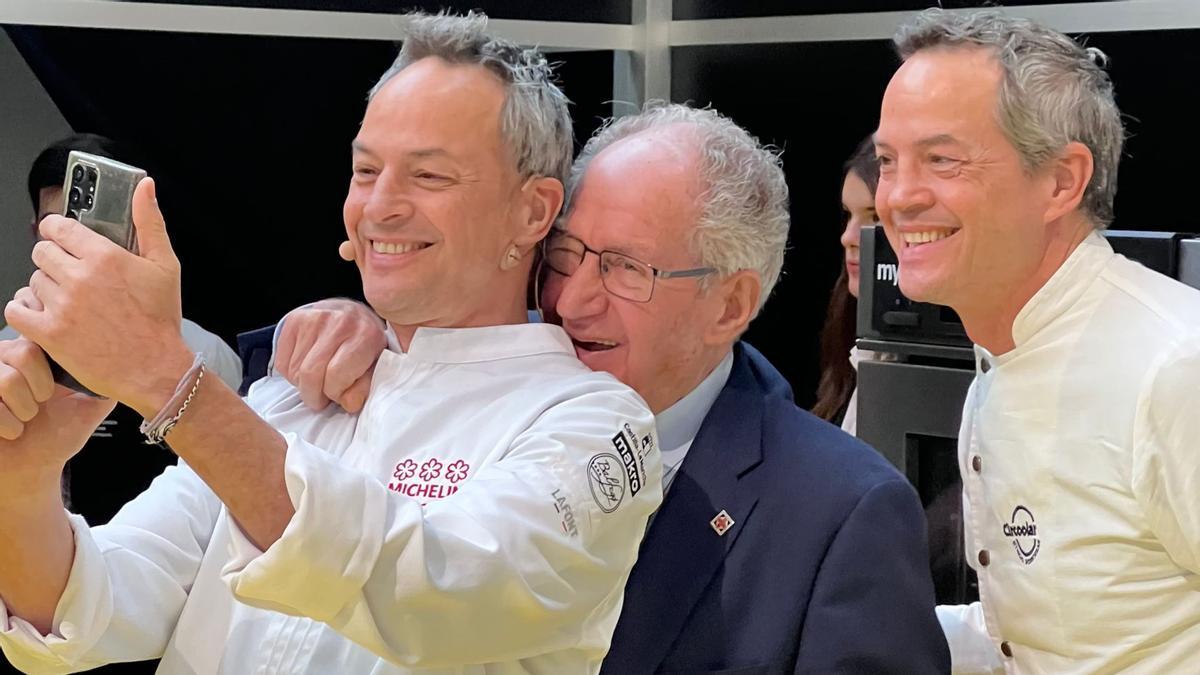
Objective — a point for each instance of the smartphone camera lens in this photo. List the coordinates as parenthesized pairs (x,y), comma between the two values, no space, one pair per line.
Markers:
(77,173)
(88,201)
(72,213)
(76,196)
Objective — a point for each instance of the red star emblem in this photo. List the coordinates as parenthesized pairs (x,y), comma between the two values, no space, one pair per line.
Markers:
(721,523)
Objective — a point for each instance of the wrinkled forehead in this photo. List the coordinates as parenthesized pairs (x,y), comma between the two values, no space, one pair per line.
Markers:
(940,95)
(644,190)
(435,104)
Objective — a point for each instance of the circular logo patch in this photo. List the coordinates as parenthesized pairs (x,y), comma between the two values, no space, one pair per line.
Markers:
(606,477)
(1022,530)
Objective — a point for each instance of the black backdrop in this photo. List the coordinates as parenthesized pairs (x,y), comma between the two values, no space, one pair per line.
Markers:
(249,137)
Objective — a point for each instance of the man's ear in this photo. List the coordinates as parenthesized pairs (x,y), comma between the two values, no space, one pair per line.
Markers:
(541,199)
(1071,171)
(739,295)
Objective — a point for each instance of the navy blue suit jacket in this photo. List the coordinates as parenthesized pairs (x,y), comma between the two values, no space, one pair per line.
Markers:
(825,570)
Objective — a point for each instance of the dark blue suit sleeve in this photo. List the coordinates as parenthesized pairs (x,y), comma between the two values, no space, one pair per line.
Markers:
(872,607)
(255,349)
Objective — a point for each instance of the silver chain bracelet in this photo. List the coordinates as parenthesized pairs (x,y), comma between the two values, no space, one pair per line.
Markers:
(157,429)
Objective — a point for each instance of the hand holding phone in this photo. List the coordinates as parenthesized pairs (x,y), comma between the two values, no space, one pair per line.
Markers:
(99,194)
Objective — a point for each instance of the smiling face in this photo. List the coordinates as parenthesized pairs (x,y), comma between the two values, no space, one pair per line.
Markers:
(638,197)
(966,218)
(430,209)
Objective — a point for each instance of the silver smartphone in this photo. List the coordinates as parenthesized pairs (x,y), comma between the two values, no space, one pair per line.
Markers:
(98,192)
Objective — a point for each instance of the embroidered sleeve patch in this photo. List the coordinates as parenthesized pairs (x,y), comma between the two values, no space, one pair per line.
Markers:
(606,478)
(629,461)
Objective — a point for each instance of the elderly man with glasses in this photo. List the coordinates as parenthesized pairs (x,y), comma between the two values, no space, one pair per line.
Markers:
(782,544)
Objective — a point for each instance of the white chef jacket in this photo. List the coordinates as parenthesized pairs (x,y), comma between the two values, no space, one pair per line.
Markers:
(1080,457)
(481,515)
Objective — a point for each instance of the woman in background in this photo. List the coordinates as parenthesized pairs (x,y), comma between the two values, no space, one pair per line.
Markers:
(837,390)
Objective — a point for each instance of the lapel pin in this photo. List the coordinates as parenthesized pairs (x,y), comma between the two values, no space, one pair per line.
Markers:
(721,523)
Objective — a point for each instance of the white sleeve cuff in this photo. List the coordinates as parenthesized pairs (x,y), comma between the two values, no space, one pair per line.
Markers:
(82,614)
(241,550)
(972,650)
(328,550)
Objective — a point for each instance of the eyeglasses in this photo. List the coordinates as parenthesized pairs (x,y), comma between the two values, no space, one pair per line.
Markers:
(623,276)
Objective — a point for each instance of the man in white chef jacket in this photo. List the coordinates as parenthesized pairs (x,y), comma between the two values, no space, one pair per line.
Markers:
(999,142)
(482,512)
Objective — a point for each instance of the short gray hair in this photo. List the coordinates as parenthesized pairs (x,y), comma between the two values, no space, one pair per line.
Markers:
(535,120)
(744,219)
(1054,91)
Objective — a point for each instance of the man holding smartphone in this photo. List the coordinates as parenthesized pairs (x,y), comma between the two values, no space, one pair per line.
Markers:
(480,515)
(91,486)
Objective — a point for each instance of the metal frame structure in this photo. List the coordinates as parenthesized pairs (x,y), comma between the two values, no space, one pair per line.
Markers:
(641,50)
